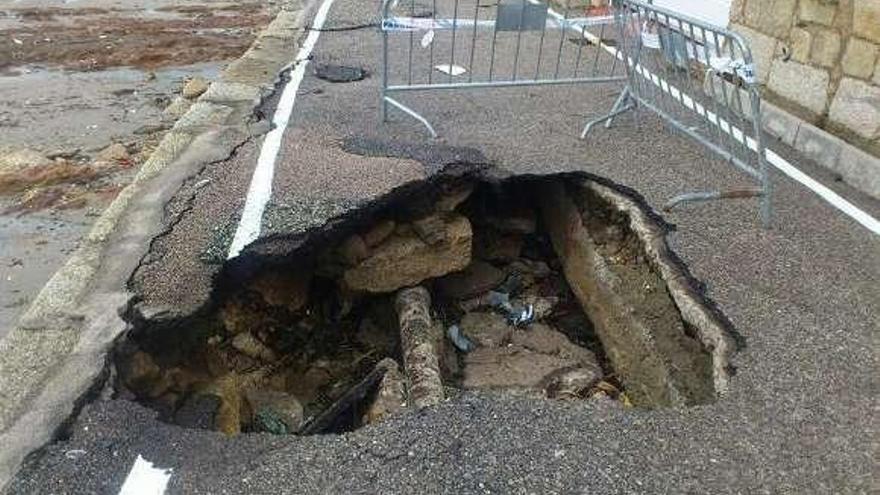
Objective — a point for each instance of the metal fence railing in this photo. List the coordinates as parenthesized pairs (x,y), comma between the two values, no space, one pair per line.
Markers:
(696,77)
(700,80)
(459,44)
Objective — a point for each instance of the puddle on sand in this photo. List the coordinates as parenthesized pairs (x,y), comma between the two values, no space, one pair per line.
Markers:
(31,249)
(85,110)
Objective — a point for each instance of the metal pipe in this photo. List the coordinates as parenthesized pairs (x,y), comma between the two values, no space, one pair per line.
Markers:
(452,48)
(500,84)
(473,42)
(710,196)
(522,14)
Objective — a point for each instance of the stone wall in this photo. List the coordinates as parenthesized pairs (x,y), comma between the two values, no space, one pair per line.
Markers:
(819,60)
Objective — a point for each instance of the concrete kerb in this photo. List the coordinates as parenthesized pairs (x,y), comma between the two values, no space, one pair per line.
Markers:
(55,355)
(77,366)
(856,167)
(261,64)
(709,327)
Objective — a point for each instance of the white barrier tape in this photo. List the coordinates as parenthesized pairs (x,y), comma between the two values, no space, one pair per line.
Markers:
(427,24)
(738,67)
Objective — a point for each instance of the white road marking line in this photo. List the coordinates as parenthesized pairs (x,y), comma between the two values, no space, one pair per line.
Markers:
(831,197)
(260,190)
(145,479)
(824,192)
(774,159)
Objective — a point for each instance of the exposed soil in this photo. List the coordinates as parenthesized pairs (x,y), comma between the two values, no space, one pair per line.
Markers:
(335,334)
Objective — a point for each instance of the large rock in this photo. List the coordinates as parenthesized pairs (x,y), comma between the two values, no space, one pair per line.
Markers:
(420,341)
(450,201)
(541,305)
(16,159)
(306,384)
(486,329)
(736,10)
(251,346)
(239,315)
(542,339)
(571,383)
(139,372)
(289,289)
(519,221)
(353,250)
(529,271)
(114,153)
(404,259)
(492,245)
(379,232)
(510,368)
(477,278)
(534,358)
(228,417)
(800,42)
(431,229)
(269,406)
(390,397)
(194,87)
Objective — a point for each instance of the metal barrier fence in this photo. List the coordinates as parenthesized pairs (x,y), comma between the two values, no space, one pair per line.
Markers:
(459,44)
(699,79)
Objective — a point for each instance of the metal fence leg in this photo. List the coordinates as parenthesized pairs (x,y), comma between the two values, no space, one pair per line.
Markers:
(763,166)
(692,197)
(624,103)
(384,75)
(767,206)
(409,111)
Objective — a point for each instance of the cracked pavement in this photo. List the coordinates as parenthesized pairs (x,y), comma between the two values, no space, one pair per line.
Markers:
(800,415)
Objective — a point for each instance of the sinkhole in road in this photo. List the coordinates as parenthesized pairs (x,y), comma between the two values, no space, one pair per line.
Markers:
(558,287)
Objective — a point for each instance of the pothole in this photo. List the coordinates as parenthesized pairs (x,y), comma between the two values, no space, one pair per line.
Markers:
(339,73)
(555,287)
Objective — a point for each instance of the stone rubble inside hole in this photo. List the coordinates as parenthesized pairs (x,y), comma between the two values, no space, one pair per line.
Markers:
(313,333)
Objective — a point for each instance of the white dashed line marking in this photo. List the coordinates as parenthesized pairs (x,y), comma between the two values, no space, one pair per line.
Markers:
(260,189)
(145,479)
(831,197)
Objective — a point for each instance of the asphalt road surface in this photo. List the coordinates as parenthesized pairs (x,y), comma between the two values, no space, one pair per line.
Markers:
(800,415)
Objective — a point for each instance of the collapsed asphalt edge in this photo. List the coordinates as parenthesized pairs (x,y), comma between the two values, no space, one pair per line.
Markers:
(57,353)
